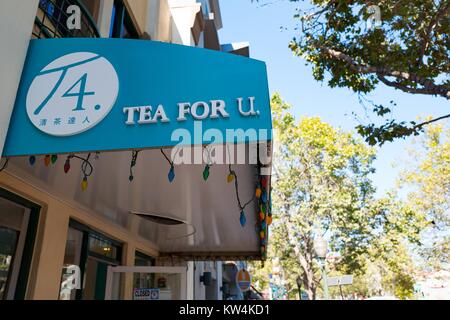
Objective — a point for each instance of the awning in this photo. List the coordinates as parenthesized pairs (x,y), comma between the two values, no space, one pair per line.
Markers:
(169,142)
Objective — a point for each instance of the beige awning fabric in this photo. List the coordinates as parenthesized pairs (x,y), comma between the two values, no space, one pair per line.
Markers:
(208,209)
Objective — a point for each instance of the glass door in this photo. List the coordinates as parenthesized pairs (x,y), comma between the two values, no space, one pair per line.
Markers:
(149,283)
(87,257)
(95,279)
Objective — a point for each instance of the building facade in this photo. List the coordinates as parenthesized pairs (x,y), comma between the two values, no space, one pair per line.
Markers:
(60,242)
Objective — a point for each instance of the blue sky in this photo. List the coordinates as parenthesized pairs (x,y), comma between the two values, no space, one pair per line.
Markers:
(288,75)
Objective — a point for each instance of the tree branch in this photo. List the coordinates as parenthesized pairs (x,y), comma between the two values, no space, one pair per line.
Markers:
(429,87)
(420,125)
(403,87)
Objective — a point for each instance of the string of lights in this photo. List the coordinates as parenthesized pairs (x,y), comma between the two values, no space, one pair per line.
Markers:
(86,168)
(265,216)
(233,177)
(134,156)
(208,163)
(171,174)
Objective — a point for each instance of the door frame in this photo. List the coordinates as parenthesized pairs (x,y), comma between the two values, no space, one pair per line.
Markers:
(124,269)
(87,233)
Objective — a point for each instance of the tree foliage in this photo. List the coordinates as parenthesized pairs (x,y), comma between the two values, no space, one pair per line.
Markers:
(428,182)
(321,181)
(407,50)
(321,184)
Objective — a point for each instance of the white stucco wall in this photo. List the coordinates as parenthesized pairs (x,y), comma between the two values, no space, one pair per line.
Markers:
(16,23)
(183,17)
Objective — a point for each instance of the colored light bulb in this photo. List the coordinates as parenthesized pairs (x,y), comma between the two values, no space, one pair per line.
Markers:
(261,215)
(263,208)
(47,160)
(242,218)
(262,234)
(54,157)
(269,220)
(84,184)
(206,173)
(264,197)
(32,160)
(258,192)
(67,166)
(263,225)
(264,182)
(171,174)
(230,177)
(263,248)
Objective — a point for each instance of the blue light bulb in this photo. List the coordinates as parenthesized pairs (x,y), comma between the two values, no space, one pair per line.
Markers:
(32,160)
(263,225)
(264,197)
(242,218)
(171,174)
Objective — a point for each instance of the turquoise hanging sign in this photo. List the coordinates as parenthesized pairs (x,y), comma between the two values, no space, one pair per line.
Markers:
(80,95)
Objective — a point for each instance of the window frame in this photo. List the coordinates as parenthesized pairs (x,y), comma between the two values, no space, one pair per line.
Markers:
(121,20)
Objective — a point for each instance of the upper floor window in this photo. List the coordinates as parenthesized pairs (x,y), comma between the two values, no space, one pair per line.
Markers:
(93,7)
(205,6)
(52,17)
(122,25)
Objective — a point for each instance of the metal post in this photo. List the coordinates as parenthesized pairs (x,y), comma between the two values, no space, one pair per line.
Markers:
(340,290)
(325,280)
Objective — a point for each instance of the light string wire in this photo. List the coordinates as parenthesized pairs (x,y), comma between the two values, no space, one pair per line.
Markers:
(134,156)
(86,167)
(209,162)
(167,158)
(171,174)
(208,155)
(236,184)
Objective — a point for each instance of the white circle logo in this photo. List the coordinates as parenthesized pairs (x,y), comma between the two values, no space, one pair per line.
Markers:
(72,94)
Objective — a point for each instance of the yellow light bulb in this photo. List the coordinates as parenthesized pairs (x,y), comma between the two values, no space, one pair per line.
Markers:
(84,184)
(230,177)
(258,192)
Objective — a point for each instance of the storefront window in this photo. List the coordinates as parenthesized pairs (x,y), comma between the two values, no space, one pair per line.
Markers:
(17,230)
(143,260)
(143,280)
(8,244)
(12,232)
(102,247)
